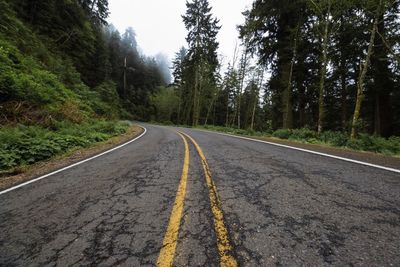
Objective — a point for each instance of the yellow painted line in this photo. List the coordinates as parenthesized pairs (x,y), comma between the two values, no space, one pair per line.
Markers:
(225,249)
(166,256)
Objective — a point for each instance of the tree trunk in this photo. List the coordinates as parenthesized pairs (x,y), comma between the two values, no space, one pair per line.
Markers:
(324,63)
(302,106)
(343,99)
(227,110)
(363,73)
(287,103)
(199,93)
(385,111)
(383,84)
(256,100)
(244,65)
(187,111)
(180,105)
(195,92)
(287,94)
(210,107)
(343,79)
(377,116)
(124,93)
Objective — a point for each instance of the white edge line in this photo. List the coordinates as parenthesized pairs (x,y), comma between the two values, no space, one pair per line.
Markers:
(73,165)
(308,151)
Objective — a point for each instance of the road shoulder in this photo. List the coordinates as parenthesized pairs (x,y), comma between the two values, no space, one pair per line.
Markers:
(68,158)
(368,157)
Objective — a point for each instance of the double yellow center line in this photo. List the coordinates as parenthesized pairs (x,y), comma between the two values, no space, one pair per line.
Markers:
(166,257)
(225,249)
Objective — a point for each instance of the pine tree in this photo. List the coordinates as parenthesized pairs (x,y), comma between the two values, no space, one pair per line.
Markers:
(202,54)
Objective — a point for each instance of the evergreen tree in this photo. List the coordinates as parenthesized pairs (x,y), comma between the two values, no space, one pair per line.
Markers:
(202,55)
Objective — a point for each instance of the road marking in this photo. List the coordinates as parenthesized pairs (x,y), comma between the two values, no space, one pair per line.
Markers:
(309,151)
(225,249)
(166,257)
(73,165)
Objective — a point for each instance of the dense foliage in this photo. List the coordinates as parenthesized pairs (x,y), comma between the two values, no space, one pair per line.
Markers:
(66,76)
(24,145)
(59,57)
(333,63)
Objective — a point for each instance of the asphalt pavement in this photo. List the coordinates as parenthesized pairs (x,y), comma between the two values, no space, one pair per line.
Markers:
(273,206)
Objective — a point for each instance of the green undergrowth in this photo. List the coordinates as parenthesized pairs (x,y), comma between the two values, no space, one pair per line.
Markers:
(25,145)
(364,142)
(31,91)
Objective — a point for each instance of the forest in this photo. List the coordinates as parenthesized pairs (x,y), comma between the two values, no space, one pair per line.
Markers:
(67,78)
(308,69)
(324,70)
(325,65)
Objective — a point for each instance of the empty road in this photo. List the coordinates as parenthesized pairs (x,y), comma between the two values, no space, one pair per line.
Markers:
(203,199)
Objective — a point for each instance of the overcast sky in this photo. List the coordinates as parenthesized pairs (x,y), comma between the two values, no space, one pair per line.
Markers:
(159,27)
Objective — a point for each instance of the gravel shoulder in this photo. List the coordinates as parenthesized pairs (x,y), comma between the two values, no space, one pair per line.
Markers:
(68,158)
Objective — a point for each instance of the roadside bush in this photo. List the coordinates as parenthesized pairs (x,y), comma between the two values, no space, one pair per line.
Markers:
(70,110)
(393,145)
(8,159)
(251,132)
(68,141)
(31,150)
(24,145)
(377,144)
(302,134)
(282,133)
(334,138)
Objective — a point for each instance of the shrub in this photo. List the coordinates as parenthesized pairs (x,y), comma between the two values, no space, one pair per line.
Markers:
(377,144)
(70,110)
(334,138)
(24,145)
(8,159)
(393,145)
(251,132)
(303,134)
(282,133)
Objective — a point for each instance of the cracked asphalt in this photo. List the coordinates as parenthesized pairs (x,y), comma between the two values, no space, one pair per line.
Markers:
(282,208)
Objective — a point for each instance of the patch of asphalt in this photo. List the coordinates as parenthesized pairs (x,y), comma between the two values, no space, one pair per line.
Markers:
(286,207)
(110,211)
